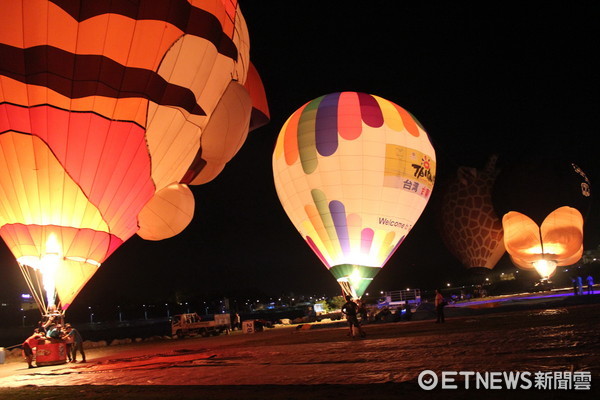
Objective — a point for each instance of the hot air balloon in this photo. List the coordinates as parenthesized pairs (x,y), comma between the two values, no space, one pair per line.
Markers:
(557,242)
(103,106)
(468,224)
(543,203)
(353,172)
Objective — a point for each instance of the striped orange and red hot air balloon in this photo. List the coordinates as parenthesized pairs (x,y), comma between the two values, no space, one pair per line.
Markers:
(104,107)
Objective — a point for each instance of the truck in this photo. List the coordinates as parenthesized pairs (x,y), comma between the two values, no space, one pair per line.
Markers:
(192,324)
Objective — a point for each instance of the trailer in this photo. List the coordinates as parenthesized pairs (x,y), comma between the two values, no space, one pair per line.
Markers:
(399,299)
(192,324)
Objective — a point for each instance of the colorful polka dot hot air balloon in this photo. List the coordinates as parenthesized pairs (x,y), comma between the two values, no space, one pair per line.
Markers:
(103,109)
(353,172)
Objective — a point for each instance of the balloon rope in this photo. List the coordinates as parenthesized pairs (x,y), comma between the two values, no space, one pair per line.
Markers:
(36,292)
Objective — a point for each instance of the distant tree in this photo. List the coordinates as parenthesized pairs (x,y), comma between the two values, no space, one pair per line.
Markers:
(336,303)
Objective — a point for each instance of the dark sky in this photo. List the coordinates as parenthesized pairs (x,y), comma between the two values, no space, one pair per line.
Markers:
(481,78)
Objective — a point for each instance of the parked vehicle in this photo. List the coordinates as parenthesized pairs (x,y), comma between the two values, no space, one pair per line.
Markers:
(192,324)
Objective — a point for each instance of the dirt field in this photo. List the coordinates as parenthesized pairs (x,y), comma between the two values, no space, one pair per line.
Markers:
(323,363)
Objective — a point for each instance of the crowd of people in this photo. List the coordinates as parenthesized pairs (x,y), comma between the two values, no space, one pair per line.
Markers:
(52,330)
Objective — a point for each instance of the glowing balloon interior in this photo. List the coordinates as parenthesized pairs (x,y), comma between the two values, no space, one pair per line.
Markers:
(103,106)
(557,242)
(353,172)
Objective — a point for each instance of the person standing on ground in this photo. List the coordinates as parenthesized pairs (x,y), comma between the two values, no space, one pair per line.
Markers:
(362,310)
(237,322)
(77,343)
(69,340)
(574,281)
(440,302)
(579,285)
(590,284)
(29,344)
(407,312)
(350,310)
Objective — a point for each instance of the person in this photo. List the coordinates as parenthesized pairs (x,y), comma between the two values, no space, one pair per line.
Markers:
(590,284)
(574,281)
(579,285)
(407,312)
(237,324)
(362,310)
(439,307)
(77,343)
(350,310)
(69,340)
(49,324)
(29,344)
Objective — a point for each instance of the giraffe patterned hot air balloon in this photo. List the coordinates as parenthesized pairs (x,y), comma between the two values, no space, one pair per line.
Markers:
(353,172)
(103,107)
(469,226)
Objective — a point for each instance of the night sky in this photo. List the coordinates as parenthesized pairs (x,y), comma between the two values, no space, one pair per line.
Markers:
(482,79)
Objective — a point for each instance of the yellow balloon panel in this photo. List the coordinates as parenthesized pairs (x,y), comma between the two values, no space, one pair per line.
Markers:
(71,276)
(353,172)
(44,186)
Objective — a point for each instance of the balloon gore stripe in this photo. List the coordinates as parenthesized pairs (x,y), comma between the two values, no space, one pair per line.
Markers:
(180,13)
(338,213)
(326,128)
(78,76)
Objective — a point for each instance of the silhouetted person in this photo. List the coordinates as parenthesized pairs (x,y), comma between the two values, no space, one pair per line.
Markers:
(440,302)
(579,285)
(77,343)
(362,310)
(590,284)
(574,281)
(350,309)
(407,312)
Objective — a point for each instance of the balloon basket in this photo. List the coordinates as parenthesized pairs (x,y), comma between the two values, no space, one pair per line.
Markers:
(51,354)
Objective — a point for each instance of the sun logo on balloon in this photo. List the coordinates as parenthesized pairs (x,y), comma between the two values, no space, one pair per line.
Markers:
(426,162)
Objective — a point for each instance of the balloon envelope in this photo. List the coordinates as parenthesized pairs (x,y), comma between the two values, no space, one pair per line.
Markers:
(353,172)
(102,106)
(543,203)
(469,226)
(557,242)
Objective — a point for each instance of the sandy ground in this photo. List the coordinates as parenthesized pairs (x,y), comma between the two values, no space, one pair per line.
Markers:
(326,363)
